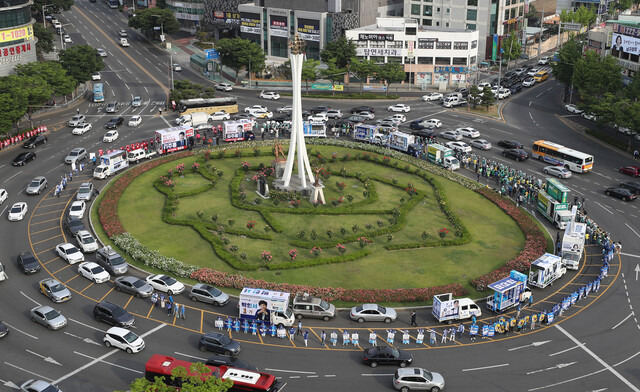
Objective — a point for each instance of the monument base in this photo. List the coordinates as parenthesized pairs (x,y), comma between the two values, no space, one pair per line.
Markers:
(295,185)
(317,194)
(278,167)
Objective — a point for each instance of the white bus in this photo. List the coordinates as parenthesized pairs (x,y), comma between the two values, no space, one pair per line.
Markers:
(556,154)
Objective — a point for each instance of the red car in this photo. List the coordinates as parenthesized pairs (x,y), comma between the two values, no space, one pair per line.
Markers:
(630,170)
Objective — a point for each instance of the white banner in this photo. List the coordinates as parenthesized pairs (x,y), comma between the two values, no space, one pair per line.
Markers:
(250,25)
(378,52)
(278,29)
(625,43)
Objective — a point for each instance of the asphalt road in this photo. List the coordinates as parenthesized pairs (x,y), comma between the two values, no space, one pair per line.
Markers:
(593,347)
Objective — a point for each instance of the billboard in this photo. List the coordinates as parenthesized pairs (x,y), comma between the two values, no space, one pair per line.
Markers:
(173,139)
(625,43)
(278,27)
(309,29)
(250,23)
(235,130)
(25,33)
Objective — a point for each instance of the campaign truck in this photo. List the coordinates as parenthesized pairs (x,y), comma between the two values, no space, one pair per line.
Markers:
(401,141)
(173,139)
(197,119)
(237,130)
(446,308)
(314,129)
(267,306)
(508,292)
(546,270)
(369,134)
(111,163)
(573,244)
(442,156)
(555,211)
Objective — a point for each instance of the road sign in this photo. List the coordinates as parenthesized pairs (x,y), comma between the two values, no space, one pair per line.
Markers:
(571,26)
(212,54)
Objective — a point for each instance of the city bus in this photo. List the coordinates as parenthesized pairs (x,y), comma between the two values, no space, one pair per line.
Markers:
(243,380)
(98,92)
(558,155)
(208,105)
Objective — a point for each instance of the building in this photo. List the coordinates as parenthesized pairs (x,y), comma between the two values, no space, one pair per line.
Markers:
(492,18)
(17,42)
(620,39)
(189,13)
(431,56)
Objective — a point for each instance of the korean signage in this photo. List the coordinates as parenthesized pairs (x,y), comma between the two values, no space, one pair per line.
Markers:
(25,33)
(378,52)
(185,16)
(250,25)
(309,30)
(626,30)
(278,28)
(12,54)
(427,40)
(227,17)
(322,86)
(453,70)
(625,43)
(375,37)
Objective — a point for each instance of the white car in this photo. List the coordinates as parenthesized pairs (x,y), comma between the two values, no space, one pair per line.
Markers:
(66,38)
(86,242)
(269,95)
(432,97)
(77,120)
(334,113)
(557,171)
(399,118)
(85,192)
(135,121)
(367,115)
(93,271)
(177,67)
(261,114)
(18,211)
(482,85)
(469,132)
(3,195)
(77,209)
(318,117)
(253,108)
(224,87)
(528,82)
(400,107)
(432,123)
(459,146)
(481,144)
(391,120)
(165,283)
(110,136)
(102,52)
(589,116)
(573,109)
(533,71)
(451,135)
(136,102)
(123,33)
(123,339)
(69,253)
(96,76)
(81,129)
(184,118)
(543,60)
(503,93)
(219,116)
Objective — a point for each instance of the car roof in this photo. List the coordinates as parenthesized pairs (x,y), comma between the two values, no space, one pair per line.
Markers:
(118,331)
(410,371)
(369,306)
(213,335)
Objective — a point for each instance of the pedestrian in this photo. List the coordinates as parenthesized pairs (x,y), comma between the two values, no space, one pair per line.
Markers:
(530,300)
(518,312)
(413,319)
(254,328)
(334,338)
(323,338)
(305,336)
(161,301)
(432,337)
(355,339)
(182,312)
(292,333)
(420,337)
(71,176)
(372,338)
(345,338)
(176,310)
(169,306)
(94,160)
(635,154)
(452,334)
(299,332)
(154,299)
(219,323)
(444,336)
(582,204)
(77,110)
(460,330)
(170,298)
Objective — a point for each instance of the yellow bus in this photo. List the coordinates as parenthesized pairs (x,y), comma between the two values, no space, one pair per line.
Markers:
(558,155)
(541,76)
(208,105)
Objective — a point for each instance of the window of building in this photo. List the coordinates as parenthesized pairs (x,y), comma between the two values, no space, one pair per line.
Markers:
(471,26)
(15,17)
(459,61)
(506,14)
(376,44)
(472,14)
(513,12)
(279,47)
(377,59)
(472,3)
(427,10)
(426,22)
(507,2)
(425,44)
(472,60)
(446,24)
(443,45)
(408,60)
(425,60)
(474,44)
(448,11)
(520,10)
(438,10)
(460,45)
(437,24)
(394,60)
(411,30)
(394,44)
(415,9)
(443,60)
(362,44)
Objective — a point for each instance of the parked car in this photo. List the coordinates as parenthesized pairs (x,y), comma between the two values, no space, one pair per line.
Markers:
(633,171)
(318,117)
(417,379)
(24,158)
(219,116)
(35,141)
(18,211)
(366,115)
(124,340)
(253,108)
(219,343)
(481,144)
(433,122)
(38,386)
(78,209)
(208,294)
(113,314)
(49,317)
(134,286)
(224,87)
(37,185)
(451,135)
(165,283)
(269,95)
(557,171)
(459,146)
(532,71)
(110,136)
(320,109)
(469,132)
(73,225)
(334,113)
(81,129)
(621,193)
(573,109)
(516,88)
(54,290)
(515,153)
(372,312)
(86,242)
(114,122)
(431,97)
(386,355)
(28,263)
(509,144)
(528,82)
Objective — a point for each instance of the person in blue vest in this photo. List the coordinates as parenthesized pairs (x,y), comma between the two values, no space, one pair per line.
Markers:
(229,323)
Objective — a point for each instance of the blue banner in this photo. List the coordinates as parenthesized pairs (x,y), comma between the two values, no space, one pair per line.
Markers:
(550,318)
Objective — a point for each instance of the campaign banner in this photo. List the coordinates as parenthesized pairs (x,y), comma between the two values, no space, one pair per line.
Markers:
(309,30)
(25,33)
(250,25)
(550,318)
(626,30)
(173,139)
(625,43)
(232,18)
(278,29)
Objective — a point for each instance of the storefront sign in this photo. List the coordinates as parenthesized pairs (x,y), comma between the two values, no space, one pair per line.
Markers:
(375,37)
(25,33)
(454,70)
(227,17)
(427,40)
(625,43)
(626,30)
(13,54)
(322,86)
(378,52)
(278,29)
(309,30)
(250,25)
(185,16)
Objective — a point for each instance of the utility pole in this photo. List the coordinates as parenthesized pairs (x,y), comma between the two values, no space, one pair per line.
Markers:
(541,30)
(559,30)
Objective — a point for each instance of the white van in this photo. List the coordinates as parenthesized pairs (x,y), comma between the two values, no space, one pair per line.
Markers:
(124,42)
(136,155)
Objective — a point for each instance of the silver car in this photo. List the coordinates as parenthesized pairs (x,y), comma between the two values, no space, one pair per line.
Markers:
(37,185)
(49,317)
(557,171)
(209,294)
(417,379)
(133,285)
(372,312)
(85,192)
(39,386)
(56,291)
(77,154)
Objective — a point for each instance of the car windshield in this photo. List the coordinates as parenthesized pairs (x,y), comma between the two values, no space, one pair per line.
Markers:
(88,240)
(169,281)
(16,209)
(118,311)
(50,315)
(428,375)
(96,270)
(138,283)
(34,183)
(56,288)
(84,190)
(130,337)
(382,309)
(76,207)
(214,291)
(71,250)
(224,340)
(74,153)
(359,309)
(394,352)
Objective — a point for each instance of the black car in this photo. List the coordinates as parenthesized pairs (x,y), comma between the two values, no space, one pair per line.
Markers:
(633,186)
(4,330)
(426,133)
(242,116)
(516,88)
(115,122)
(320,109)
(218,360)
(28,263)
(386,355)
(515,153)
(282,118)
(509,74)
(219,343)
(35,141)
(621,193)
(417,125)
(113,314)
(23,158)
(509,144)
(73,225)
(363,109)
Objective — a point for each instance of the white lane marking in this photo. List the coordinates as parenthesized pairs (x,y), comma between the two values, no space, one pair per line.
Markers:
(28,371)
(375,375)
(46,359)
(87,325)
(485,367)
(500,130)
(22,332)
(563,351)
(534,344)
(631,228)
(55,168)
(604,208)
(329,375)
(99,359)
(625,319)
(5,181)
(558,366)
(110,363)
(33,300)
(190,356)
(289,371)
(314,376)
(597,358)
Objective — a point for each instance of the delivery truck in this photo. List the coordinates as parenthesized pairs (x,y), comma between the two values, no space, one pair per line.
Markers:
(314,129)
(369,134)
(442,156)
(111,163)
(446,308)
(197,119)
(401,141)
(173,139)
(267,306)
(555,211)
(573,243)
(545,270)
(237,130)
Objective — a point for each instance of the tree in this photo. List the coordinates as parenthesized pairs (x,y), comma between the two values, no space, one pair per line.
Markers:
(533,12)
(633,89)
(586,15)
(488,98)
(58,5)
(80,61)
(53,74)
(13,100)
(363,69)
(37,89)
(146,19)
(475,95)
(568,55)
(342,50)
(512,47)
(238,53)
(310,71)
(333,73)
(192,381)
(45,38)
(391,73)
(594,76)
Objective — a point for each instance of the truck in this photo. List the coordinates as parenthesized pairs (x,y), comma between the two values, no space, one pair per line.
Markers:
(555,211)
(442,156)
(111,163)
(453,101)
(446,308)
(305,305)
(173,139)
(573,244)
(124,42)
(139,154)
(401,141)
(545,270)
(314,129)
(197,119)
(369,134)
(237,130)
(267,306)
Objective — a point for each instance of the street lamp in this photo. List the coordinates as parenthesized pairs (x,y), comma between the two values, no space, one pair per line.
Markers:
(62,45)
(44,19)
(161,27)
